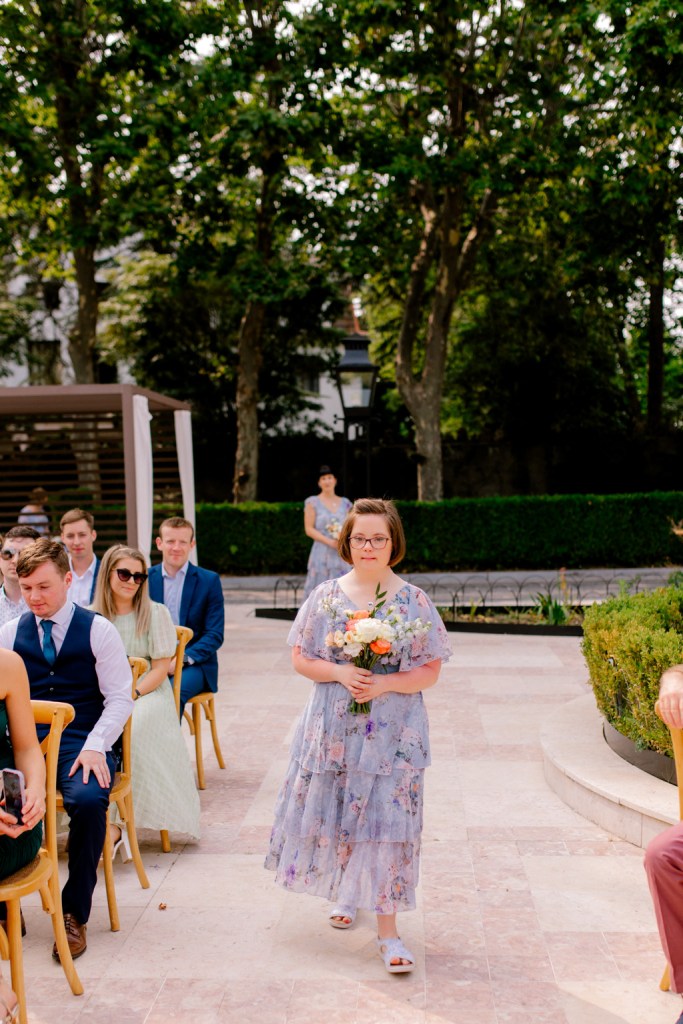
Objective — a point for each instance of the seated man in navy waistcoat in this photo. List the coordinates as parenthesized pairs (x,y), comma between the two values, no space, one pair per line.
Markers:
(73,655)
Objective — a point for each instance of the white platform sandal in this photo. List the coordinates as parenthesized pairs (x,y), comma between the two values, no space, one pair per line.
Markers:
(393,949)
(342,916)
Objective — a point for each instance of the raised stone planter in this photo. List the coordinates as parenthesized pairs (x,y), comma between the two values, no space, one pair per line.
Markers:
(587,774)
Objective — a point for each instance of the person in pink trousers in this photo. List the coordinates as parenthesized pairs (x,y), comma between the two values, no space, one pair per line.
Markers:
(664,854)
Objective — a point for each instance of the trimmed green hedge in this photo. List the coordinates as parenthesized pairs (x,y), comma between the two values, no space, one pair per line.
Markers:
(628,642)
(540,532)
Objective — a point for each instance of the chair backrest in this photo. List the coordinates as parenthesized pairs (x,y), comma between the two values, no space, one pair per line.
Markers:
(677,744)
(677,741)
(184,634)
(138,667)
(57,715)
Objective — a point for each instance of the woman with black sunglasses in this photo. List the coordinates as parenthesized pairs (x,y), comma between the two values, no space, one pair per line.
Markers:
(164,791)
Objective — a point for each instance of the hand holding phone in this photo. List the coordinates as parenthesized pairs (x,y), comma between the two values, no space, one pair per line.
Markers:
(14,792)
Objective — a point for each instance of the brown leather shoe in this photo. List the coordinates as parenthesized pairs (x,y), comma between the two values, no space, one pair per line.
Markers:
(75,935)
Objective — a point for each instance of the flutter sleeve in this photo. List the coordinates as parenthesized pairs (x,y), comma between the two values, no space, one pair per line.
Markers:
(314,620)
(423,644)
(162,634)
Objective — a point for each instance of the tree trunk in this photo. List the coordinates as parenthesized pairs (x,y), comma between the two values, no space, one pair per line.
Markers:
(83,337)
(655,332)
(249,357)
(630,389)
(429,455)
(454,251)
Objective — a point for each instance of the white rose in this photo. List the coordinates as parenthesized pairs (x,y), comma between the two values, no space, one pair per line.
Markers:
(367,630)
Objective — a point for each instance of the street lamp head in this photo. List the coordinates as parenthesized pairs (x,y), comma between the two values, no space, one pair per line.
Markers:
(356,377)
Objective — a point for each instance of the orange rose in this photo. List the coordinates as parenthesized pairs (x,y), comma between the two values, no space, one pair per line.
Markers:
(361,614)
(380,646)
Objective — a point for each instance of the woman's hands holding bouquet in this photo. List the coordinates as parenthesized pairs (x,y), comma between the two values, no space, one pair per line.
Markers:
(361,683)
(353,678)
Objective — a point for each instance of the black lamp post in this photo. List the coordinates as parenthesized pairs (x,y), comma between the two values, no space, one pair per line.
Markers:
(356,380)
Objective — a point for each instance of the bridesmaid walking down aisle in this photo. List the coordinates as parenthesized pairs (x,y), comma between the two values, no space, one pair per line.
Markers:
(348,818)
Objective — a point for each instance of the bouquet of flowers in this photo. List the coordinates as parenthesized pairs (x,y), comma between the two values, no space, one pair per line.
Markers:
(366,640)
(334,528)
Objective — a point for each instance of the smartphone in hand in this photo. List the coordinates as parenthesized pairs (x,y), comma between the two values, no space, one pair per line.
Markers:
(15,794)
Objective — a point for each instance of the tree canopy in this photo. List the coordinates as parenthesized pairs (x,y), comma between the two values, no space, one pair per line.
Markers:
(500,183)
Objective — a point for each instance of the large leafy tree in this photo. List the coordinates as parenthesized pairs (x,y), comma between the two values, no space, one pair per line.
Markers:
(81,93)
(648,178)
(176,327)
(456,113)
(249,208)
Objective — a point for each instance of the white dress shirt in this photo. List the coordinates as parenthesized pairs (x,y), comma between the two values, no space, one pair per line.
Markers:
(81,586)
(173,591)
(111,664)
(8,609)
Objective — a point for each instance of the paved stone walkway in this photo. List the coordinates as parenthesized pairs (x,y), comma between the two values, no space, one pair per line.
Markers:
(527,914)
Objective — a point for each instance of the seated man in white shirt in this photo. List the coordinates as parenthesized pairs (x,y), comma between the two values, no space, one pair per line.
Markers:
(74,655)
(78,536)
(12,604)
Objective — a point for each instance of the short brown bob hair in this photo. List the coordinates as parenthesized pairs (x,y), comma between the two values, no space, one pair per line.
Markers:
(42,551)
(374,507)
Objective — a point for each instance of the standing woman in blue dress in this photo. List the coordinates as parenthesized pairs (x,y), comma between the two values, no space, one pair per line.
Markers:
(324,515)
(348,818)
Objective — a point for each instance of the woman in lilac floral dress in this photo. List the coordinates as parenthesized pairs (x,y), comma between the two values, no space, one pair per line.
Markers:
(324,514)
(348,818)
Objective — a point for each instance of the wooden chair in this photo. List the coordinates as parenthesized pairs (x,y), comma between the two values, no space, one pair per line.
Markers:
(677,742)
(42,875)
(201,700)
(122,795)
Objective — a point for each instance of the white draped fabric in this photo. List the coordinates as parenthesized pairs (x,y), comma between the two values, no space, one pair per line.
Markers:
(144,474)
(183,440)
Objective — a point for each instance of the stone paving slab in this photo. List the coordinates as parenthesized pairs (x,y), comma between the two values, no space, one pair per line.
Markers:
(527,913)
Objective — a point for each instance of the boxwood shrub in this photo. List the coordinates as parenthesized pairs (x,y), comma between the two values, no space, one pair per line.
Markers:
(628,642)
(539,532)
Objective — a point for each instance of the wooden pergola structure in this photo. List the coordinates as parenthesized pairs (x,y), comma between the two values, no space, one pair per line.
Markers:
(117,450)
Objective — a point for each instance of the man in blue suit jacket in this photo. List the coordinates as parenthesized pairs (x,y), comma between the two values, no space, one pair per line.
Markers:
(194,598)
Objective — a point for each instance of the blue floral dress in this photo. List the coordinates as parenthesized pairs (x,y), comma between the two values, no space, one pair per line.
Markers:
(323,562)
(348,818)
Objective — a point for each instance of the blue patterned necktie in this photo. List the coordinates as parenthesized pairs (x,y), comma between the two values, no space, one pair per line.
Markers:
(49,649)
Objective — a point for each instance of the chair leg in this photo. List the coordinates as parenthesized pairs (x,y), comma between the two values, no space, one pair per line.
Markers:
(210,711)
(665,983)
(16,955)
(54,904)
(108,865)
(133,841)
(197,722)
(165,841)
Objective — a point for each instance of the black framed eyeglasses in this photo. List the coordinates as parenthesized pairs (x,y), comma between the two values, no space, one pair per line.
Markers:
(8,553)
(378,542)
(125,575)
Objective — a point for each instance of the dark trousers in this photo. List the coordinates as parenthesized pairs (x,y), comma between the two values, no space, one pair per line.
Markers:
(87,807)
(192,682)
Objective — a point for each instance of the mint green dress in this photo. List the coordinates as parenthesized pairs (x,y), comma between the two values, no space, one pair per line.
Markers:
(15,853)
(164,792)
